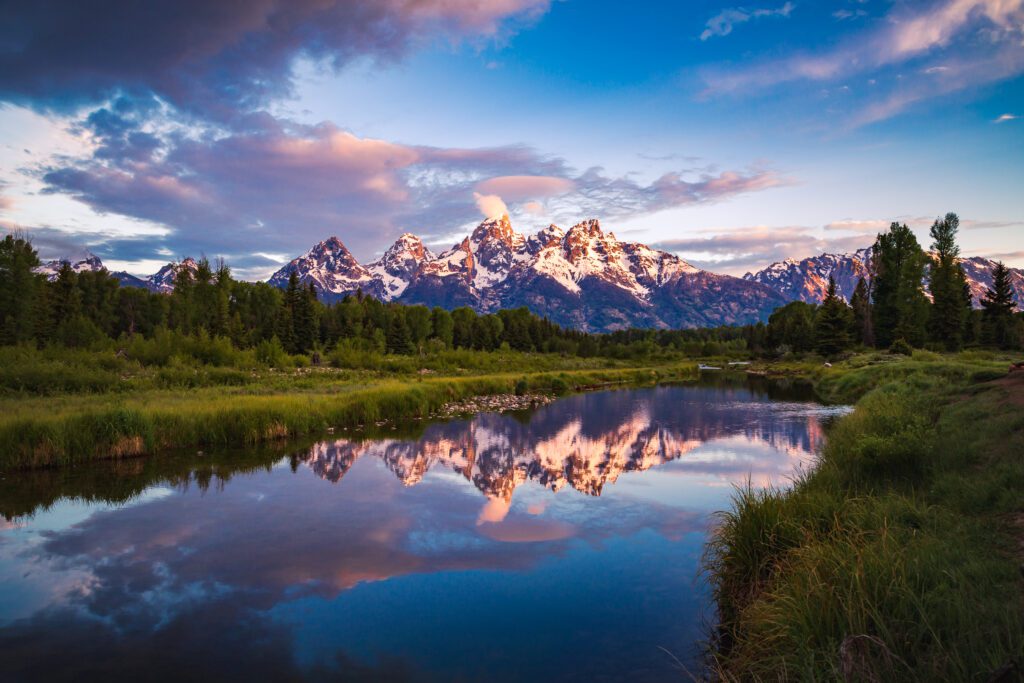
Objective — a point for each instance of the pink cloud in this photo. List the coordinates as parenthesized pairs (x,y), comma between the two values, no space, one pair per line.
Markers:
(523,187)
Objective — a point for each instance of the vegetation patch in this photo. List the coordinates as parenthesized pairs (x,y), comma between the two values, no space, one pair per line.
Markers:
(897,557)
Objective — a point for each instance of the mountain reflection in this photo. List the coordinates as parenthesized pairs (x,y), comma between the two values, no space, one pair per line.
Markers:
(471,531)
(586,442)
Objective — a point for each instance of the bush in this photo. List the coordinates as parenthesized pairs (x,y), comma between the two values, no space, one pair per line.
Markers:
(901,347)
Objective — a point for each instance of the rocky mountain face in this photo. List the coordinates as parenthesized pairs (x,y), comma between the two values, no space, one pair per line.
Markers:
(583,278)
(807,279)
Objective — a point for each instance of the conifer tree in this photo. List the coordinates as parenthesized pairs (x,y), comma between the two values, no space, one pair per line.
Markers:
(860,303)
(999,327)
(398,339)
(947,316)
(832,323)
(18,287)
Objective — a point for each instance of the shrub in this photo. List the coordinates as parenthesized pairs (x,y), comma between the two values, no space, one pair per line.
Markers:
(901,347)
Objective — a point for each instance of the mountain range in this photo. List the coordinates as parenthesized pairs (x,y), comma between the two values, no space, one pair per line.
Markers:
(583,278)
(807,279)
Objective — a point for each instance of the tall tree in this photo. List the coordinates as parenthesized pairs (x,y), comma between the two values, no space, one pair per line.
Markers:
(792,325)
(946,282)
(863,331)
(18,288)
(999,326)
(832,323)
(398,339)
(899,307)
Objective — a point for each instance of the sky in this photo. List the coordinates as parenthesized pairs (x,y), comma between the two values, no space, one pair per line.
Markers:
(732,134)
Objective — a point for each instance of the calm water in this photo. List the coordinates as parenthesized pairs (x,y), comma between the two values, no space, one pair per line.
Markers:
(560,545)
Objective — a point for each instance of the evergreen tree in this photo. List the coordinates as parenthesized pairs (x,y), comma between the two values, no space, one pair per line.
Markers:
(67,300)
(999,326)
(284,329)
(18,288)
(947,282)
(832,323)
(862,330)
(899,306)
(398,339)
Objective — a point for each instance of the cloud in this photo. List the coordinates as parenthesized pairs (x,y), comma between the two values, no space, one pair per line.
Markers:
(282,186)
(981,41)
(218,58)
(521,187)
(741,250)
(490,205)
(722,23)
(844,14)
(1005,117)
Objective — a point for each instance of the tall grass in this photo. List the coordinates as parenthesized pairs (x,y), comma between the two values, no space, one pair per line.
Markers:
(894,559)
(59,432)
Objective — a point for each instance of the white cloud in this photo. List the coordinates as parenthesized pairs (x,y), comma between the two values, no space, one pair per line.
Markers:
(722,23)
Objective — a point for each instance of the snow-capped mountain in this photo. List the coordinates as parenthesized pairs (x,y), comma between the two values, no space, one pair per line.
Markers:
(163,279)
(89,262)
(85,262)
(807,279)
(583,278)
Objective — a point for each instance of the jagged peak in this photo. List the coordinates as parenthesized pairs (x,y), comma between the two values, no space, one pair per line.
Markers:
(498,228)
(590,227)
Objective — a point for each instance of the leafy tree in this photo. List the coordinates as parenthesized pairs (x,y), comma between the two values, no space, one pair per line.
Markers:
(947,283)
(899,308)
(442,325)
(792,325)
(832,323)
(462,327)
(862,331)
(999,326)
(418,320)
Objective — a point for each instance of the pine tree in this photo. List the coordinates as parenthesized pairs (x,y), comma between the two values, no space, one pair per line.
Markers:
(899,306)
(862,330)
(18,287)
(946,282)
(398,339)
(998,323)
(832,323)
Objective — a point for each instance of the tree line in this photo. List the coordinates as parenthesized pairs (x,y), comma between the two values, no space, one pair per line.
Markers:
(888,309)
(892,309)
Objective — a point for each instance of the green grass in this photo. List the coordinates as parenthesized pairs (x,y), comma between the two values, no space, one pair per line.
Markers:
(71,428)
(897,557)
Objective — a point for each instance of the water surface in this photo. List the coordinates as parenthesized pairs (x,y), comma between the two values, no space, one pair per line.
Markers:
(558,545)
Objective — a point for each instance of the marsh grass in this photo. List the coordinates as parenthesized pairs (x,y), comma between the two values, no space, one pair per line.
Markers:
(65,430)
(895,558)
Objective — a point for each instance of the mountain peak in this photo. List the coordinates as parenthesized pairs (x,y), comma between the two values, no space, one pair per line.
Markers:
(498,228)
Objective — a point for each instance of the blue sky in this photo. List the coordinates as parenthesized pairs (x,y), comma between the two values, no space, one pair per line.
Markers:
(732,134)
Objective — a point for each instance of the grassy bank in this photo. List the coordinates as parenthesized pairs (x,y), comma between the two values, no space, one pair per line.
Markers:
(898,557)
(74,427)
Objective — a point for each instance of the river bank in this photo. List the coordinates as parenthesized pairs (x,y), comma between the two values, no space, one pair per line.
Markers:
(898,557)
(75,427)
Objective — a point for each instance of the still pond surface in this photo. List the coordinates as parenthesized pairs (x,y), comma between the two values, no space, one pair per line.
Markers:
(562,544)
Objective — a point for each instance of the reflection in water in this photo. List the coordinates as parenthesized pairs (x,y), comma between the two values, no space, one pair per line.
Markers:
(571,565)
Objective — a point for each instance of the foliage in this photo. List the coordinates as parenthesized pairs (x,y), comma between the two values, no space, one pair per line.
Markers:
(899,306)
(885,562)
